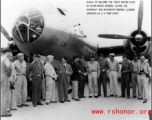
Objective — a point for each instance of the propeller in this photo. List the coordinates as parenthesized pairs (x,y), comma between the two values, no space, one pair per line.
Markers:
(11,44)
(139,38)
(140,16)
(5,33)
(114,36)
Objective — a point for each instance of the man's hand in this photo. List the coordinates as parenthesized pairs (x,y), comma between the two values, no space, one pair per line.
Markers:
(30,79)
(85,74)
(8,72)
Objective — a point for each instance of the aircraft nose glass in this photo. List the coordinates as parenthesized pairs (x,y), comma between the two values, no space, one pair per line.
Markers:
(23,19)
(29,26)
(24,32)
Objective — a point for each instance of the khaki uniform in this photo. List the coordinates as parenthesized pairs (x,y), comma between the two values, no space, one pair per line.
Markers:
(113,76)
(93,75)
(12,79)
(5,92)
(21,82)
(134,76)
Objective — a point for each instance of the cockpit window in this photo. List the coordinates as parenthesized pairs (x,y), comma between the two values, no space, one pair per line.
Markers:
(24,32)
(17,36)
(37,24)
(61,11)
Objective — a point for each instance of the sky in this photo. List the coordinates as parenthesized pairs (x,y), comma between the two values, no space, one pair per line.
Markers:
(92,25)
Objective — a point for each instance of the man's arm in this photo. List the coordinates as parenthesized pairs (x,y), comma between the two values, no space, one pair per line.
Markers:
(8,67)
(70,70)
(98,69)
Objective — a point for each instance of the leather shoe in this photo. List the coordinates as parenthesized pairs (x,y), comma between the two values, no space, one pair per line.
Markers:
(90,96)
(76,99)
(112,95)
(34,105)
(39,104)
(53,101)
(47,103)
(96,96)
(140,98)
(83,97)
(61,101)
(25,105)
(144,101)
(134,97)
(6,115)
(20,106)
(67,100)
(116,96)
(13,109)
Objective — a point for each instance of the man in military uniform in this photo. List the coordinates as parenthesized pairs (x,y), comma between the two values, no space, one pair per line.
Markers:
(113,67)
(125,77)
(21,81)
(103,75)
(134,64)
(5,74)
(83,75)
(75,77)
(93,75)
(35,74)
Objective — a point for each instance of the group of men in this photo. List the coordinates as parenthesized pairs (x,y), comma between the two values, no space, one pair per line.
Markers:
(14,75)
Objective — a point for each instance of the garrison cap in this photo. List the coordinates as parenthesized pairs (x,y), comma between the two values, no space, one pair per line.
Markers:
(20,54)
(81,57)
(75,56)
(135,55)
(125,56)
(100,55)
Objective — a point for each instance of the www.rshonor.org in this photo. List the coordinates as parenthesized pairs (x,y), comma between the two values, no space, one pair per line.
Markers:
(117,111)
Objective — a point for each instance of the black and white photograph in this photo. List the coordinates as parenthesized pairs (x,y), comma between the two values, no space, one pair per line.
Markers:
(76,60)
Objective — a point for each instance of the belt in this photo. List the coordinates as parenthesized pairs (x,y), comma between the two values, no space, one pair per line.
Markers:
(20,74)
(93,70)
(112,70)
(134,72)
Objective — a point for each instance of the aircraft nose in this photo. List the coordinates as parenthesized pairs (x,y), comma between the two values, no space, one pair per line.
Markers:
(29,26)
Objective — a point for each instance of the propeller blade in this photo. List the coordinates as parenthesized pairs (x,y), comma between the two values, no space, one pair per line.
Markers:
(147,38)
(140,16)
(113,36)
(5,33)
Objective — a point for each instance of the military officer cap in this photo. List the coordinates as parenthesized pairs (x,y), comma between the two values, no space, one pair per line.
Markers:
(112,54)
(36,55)
(91,56)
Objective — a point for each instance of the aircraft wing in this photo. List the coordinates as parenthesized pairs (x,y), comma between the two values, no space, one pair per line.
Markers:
(118,50)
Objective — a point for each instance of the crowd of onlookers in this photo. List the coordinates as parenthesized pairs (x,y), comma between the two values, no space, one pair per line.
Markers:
(38,79)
